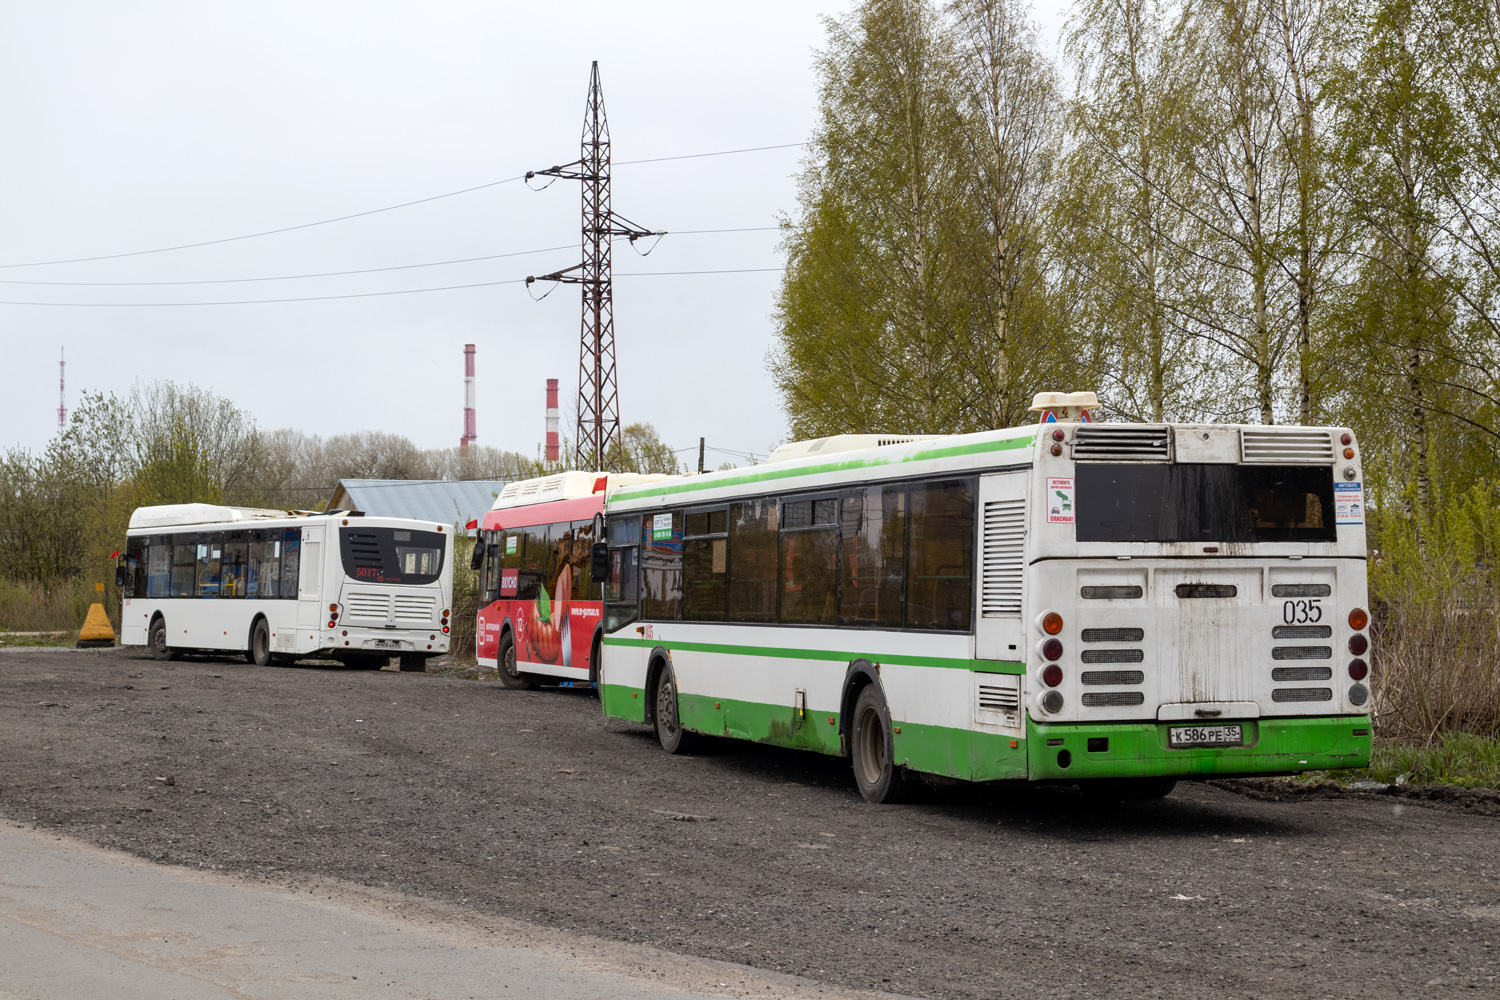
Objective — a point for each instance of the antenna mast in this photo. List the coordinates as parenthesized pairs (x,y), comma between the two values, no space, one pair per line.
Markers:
(598,388)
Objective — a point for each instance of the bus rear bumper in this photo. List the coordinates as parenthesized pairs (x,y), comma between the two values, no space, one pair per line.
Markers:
(1071,752)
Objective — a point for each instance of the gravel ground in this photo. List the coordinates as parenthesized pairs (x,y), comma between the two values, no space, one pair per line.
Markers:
(531,806)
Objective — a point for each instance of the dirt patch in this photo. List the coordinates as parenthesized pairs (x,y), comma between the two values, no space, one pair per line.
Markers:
(532,806)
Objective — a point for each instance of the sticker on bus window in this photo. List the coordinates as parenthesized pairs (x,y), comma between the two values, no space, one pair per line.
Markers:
(510,545)
(1348,504)
(1059,501)
(661,528)
(510,582)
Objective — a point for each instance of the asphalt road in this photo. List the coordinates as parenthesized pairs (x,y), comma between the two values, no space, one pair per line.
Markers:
(531,806)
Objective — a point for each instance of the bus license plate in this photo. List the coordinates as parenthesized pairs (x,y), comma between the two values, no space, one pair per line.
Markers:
(1206,736)
(388,643)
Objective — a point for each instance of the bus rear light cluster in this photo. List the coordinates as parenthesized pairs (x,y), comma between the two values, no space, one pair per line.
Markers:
(1358,669)
(1052,649)
(1358,619)
(1359,694)
(1346,438)
(1052,675)
(445,630)
(1358,644)
(1052,702)
(1052,623)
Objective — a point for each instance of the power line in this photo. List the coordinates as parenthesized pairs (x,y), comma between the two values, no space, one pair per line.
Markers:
(362,270)
(368,212)
(354,295)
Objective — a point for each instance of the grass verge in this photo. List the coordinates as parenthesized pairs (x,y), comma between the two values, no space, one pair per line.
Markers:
(1461,759)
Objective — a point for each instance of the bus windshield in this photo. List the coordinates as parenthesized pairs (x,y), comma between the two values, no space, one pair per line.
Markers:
(1205,503)
(391,555)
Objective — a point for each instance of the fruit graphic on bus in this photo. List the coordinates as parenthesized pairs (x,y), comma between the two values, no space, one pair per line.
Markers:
(546,640)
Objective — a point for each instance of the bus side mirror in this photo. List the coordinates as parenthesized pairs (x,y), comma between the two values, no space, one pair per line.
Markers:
(477,559)
(120,576)
(599,561)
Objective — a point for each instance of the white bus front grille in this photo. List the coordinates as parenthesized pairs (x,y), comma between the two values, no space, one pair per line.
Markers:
(1123,443)
(362,605)
(415,608)
(1286,447)
(1004,558)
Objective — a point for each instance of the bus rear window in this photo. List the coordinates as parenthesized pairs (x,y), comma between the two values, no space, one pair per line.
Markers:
(1205,503)
(391,555)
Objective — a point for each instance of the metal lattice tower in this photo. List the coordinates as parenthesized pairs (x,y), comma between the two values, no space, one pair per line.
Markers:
(598,387)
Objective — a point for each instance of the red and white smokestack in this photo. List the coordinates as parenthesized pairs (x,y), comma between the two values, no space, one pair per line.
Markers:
(552,441)
(469,435)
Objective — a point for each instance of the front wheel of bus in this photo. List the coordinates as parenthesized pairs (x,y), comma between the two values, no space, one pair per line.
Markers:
(669,732)
(875,770)
(510,673)
(260,644)
(158,641)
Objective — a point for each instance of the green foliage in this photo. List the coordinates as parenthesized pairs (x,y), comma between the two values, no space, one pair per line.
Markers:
(1467,760)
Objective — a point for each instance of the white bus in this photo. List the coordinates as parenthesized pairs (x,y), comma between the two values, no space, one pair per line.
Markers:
(1110,605)
(282,585)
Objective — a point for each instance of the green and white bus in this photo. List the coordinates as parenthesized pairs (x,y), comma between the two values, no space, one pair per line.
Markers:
(1111,605)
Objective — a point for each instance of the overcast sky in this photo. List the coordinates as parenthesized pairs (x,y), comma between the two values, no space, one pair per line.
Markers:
(132,127)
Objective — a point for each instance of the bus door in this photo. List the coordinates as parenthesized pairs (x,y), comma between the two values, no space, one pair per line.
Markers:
(310,579)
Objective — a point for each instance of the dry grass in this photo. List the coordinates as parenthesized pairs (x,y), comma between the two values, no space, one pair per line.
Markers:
(1437,670)
(30,606)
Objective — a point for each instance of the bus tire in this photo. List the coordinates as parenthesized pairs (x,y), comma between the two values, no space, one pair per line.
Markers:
(505,661)
(872,751)
(669,732)
(157,641)
(595,652)
(260,644)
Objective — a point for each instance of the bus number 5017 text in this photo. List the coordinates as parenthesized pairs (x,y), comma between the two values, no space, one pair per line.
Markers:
(1301,612)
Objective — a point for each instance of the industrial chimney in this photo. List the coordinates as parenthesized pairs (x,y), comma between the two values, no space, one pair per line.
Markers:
(552,442)
(468,438)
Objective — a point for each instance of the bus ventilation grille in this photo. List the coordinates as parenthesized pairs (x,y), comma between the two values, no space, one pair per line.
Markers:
(1004,558)
(1123,443)
(1283,674)
(1112,678)
(1114,634)
(1000,703)
(1301,632)
(1284,695)
(1301,652)
(1286,447)
(1112,656)
(360,605)
(1112,699)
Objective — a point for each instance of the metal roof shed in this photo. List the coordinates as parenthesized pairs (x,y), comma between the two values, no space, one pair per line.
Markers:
(438,500)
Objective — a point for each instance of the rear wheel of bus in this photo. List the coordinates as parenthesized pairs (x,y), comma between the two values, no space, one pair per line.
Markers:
(875,770)
(510,672)
(260,643)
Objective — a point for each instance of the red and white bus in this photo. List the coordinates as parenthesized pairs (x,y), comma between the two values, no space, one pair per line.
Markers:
(540,610)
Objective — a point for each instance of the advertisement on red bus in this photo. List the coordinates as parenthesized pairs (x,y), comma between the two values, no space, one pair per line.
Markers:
(539,608)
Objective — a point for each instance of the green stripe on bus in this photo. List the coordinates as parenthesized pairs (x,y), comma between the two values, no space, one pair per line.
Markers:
(952,451)
(840,656)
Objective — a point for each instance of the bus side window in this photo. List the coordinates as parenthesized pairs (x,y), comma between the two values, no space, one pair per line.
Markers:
(159,566)
(584,586)
(705,565)
(291,558)
(236,556)
(752,560)
(184,565)
(661,567)
(940,563)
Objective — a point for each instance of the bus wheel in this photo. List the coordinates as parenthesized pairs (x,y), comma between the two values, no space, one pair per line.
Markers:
(875,770)
(669,732)
(158,641)
(594,675)
(510,674)
(260,644)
